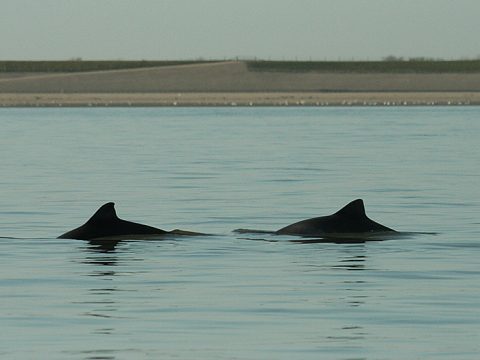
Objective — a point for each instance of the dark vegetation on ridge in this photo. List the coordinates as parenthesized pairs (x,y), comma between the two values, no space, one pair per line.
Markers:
(51,66)
(384,66)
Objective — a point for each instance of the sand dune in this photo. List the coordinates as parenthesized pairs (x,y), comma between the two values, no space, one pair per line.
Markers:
(232,77)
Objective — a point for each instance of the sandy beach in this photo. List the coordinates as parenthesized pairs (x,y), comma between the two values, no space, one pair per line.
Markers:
(232,83)
(242,99)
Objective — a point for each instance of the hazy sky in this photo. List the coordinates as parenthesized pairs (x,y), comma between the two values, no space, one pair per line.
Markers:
(267,29)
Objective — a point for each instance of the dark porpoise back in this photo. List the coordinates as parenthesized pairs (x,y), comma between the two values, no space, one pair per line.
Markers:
(106,224)
(351,219)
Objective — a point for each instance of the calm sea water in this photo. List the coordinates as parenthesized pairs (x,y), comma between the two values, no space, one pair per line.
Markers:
(232,296)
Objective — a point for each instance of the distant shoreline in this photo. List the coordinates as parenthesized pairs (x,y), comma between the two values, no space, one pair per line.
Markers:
(246,99)
(237,83)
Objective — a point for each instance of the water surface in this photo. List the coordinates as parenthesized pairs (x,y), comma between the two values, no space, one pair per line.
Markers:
(232,296)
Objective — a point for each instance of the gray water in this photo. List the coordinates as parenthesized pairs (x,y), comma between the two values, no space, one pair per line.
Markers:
(238,296)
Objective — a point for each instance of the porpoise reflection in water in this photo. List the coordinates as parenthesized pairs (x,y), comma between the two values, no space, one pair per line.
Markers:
(105,224)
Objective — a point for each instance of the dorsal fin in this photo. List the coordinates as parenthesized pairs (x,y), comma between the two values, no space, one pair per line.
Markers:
(105,212)
(353,209)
